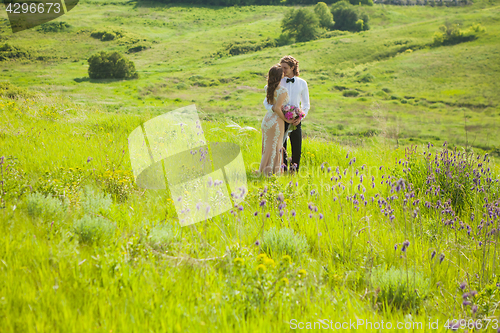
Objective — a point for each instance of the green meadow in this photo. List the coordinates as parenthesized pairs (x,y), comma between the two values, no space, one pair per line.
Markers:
(393,218)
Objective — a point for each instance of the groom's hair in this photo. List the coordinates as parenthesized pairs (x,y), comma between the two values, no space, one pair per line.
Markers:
(292,62)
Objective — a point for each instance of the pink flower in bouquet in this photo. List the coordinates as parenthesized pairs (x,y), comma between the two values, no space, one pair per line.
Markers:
(292,112)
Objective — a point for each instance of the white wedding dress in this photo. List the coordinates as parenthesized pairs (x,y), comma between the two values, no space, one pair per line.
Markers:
(273,129)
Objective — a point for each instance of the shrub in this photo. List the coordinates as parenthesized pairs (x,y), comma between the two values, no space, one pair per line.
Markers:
(350,93)
(138,48)
(91,229)
(366,78)
(54,27)
(161,236)
(285,39)
(95,203)
(105,35)
(9,90)
(284,241)
(8,52)
(46,207)
(398,288)
(324,15)
(111,65)
(349,18)
(451,34)
(301,24)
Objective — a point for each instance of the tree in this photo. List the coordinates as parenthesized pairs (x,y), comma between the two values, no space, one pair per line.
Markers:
(301,24)
(113,65)
(324,15)
(349,18)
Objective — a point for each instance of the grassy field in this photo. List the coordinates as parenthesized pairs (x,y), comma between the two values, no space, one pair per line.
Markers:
(372,230)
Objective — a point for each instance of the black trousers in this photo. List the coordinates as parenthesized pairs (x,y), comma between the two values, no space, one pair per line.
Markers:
(296,141)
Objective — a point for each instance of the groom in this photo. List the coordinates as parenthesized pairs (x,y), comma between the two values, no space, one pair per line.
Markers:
(299,96)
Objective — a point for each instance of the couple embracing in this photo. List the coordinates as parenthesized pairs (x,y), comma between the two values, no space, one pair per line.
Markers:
(287,104)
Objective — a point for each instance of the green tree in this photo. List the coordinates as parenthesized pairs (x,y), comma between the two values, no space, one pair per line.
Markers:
(324,15)
(301,24)
(113,65)
(349,18)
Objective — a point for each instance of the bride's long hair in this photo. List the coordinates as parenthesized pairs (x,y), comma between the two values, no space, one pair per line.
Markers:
(273,80)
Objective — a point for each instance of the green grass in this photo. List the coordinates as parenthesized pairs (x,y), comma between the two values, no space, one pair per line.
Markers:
(90,251)
(126,265)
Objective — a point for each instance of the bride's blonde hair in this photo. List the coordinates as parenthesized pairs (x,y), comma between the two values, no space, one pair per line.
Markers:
(273,80)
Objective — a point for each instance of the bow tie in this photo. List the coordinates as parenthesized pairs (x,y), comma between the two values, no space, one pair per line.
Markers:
(290,80)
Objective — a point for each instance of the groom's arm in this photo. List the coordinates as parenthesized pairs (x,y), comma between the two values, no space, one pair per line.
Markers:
(268,106)
(304,99)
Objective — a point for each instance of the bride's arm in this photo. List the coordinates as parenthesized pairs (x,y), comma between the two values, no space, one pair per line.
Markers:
(277,108)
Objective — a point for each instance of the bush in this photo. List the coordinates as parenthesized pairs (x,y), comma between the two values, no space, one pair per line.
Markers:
(398,288)
(105,35)
(9,90)
(111,65)
(91,229)
(95,203)
(451,34)
(285,39)
(54,27)
(350,93)
(366,78)
(46,207)
(138,48)
(161,237)
(301,24)
(324,15)
(349,18)
(284,241)
(8,52)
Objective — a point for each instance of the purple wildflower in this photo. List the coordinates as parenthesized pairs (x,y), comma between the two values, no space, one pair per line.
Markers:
(257,243)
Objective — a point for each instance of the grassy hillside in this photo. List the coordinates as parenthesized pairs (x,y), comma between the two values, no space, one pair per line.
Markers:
(406,89)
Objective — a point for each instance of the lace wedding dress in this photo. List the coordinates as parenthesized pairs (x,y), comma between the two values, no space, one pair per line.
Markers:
(273,128)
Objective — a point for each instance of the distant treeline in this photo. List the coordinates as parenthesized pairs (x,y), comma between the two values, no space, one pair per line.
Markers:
(246,2)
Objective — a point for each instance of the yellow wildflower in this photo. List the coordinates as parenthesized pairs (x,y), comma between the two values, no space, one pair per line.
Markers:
(286,259)
(285,281)
(302,273)
(261,257)
(239,261)
(269,262)
(261,269)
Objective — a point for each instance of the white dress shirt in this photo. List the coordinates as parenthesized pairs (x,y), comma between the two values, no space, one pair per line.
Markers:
(297,92)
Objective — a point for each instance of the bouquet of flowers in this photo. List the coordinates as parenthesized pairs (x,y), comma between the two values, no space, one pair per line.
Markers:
(292,112)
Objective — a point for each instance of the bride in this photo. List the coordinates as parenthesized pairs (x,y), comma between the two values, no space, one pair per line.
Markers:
(273,125)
